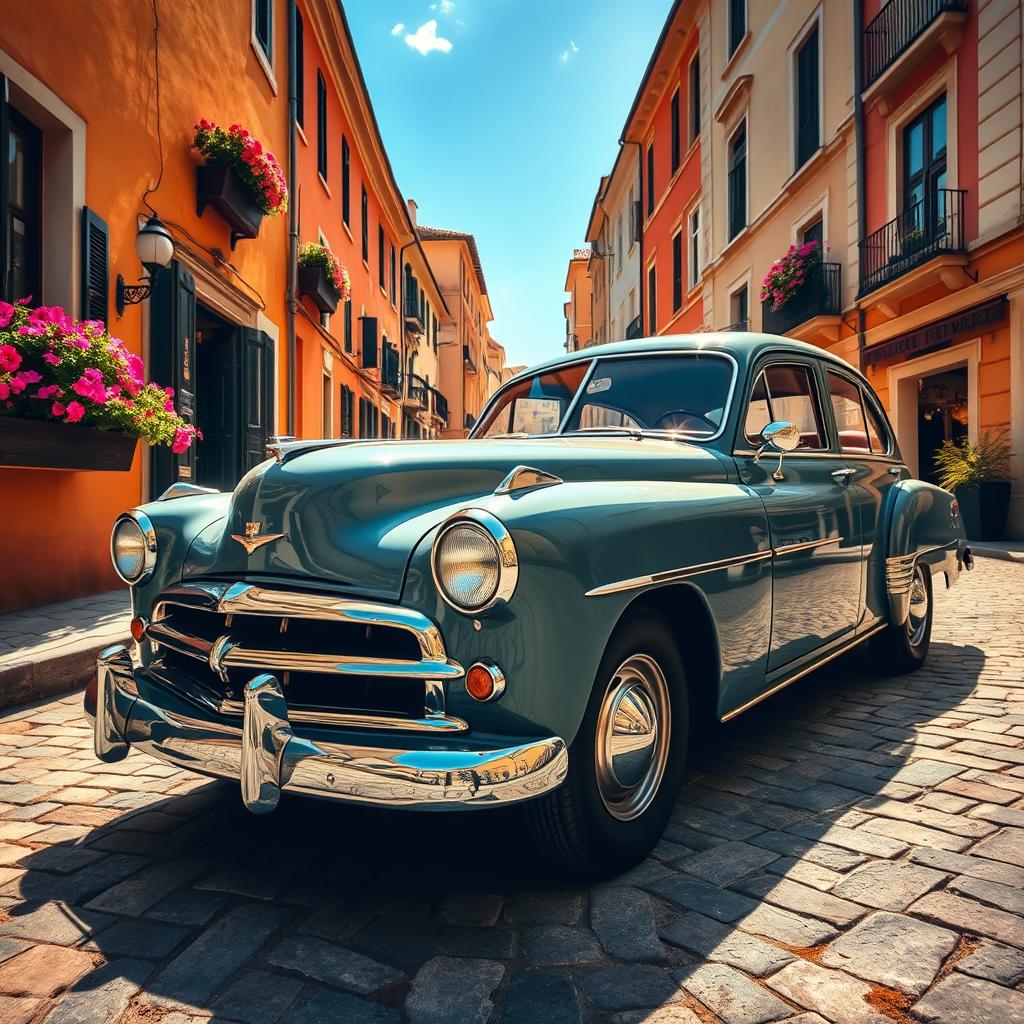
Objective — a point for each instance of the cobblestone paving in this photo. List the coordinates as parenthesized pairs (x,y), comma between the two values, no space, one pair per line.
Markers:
(852,851)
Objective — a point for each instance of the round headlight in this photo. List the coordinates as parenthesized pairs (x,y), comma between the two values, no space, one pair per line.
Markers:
(474,562)
(133,547)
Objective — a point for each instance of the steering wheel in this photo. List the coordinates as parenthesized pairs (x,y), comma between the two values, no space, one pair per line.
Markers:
(676,419)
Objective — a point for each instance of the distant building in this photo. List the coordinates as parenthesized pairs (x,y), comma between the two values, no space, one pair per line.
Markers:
(578,309)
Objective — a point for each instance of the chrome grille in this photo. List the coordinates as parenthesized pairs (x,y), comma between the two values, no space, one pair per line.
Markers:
(340,661)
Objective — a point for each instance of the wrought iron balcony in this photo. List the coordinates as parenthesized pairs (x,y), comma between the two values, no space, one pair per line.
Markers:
(440,406)
(413,314)
(635,328)
(818,296)
(417,393)
(896,27)
(390,371)
(933,225)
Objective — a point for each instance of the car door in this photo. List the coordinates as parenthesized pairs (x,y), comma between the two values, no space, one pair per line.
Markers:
(812,514)
(869,452)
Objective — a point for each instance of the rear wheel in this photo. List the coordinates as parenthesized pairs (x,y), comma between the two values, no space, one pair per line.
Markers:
(627,760)
(903,648)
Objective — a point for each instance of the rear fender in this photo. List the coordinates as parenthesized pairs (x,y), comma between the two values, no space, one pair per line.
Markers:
(924,528)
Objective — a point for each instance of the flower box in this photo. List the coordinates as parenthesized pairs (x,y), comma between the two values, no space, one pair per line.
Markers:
(219,186)
(315,284)
(52,444)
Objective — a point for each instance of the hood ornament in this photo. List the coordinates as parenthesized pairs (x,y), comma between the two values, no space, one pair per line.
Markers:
(253,539)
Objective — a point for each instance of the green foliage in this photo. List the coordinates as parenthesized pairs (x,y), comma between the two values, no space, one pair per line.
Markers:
(964,463)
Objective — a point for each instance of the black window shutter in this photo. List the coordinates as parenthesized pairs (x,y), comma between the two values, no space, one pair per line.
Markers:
(369,341)
(4,126)
(300,71)
(345,181)
(676,147)
(348,326)
(95,267)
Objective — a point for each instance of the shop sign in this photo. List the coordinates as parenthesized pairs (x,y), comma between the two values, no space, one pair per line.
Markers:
(973,321)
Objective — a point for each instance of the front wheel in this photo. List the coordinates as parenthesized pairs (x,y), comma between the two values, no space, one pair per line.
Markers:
(903,648)
(626,763)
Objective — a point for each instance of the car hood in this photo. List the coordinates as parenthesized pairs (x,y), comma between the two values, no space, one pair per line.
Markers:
(351,513)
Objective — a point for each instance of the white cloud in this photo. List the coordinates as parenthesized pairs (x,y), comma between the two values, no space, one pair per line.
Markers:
(566,55)
(398,29)
(425,39)
(444,6)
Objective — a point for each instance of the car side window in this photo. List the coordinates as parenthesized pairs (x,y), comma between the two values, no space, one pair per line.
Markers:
(848,410)
(878,432)
(787,393)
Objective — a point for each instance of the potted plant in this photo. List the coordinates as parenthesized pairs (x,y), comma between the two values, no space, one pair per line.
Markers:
(73,397)
(322,278)
(239,178)
(979,476)
(788,275)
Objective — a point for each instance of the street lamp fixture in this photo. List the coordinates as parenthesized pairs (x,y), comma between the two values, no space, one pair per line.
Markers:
(155,248)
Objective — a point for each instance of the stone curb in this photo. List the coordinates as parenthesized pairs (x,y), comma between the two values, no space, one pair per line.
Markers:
(33,681)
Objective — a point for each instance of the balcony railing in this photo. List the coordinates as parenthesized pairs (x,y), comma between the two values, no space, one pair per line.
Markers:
(418,391)
(634,329)
(390,370)
(933,225)
(818,296)
(440,406)
(895,28)
(413,317)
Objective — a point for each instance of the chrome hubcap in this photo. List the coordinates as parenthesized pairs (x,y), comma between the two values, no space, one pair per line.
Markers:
(917,620)
(633,732)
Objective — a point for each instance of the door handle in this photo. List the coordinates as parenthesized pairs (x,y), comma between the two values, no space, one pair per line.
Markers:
(842,476)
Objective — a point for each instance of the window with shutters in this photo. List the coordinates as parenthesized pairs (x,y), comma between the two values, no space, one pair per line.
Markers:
(737,24)
(300,71)
(694,79)
(650,179)
(676,141)
(652,299)
(738,180)
(321,125)
(22,209)
(365,209)
(808,98)
(677,271)
(95,267)
(694,261)
(393,285)
(380,256)
(346,181)
(348,326)
(263,28)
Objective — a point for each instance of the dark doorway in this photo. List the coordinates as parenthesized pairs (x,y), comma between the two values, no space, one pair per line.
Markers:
(941,416)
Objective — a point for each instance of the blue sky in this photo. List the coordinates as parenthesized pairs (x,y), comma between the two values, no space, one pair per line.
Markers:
(499,120)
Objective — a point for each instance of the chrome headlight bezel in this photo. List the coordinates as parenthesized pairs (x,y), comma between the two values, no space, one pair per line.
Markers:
(149,547)
(497,534)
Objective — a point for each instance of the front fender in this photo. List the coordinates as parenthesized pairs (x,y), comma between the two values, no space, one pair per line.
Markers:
(924,528)
(573,538)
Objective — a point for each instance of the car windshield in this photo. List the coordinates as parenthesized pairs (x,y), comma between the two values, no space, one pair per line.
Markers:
(685,393)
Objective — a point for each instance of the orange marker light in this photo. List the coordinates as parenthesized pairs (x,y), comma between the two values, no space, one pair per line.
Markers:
(479,683)
(138,628)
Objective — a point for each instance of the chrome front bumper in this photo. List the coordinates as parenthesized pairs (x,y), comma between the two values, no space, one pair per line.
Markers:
(266,755)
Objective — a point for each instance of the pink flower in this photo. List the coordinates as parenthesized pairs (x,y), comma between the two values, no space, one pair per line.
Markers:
(23,301)
(29,377)
(57,409)
(6,314)
(75,412)
(182,440)
(48,391)
(4,391)
(136,367)
(52,358)
(10,360)
(90,385)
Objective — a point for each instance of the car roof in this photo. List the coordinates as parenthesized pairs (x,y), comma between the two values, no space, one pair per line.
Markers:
(744,345)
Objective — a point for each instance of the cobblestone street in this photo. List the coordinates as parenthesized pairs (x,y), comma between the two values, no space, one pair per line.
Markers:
(850,851)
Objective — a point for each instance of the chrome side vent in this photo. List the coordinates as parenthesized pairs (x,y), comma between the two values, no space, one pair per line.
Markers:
(525,478)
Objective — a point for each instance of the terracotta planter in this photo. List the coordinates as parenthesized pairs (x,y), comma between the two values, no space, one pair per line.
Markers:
(217,185)
(984,508)
(50,444)
(315,284)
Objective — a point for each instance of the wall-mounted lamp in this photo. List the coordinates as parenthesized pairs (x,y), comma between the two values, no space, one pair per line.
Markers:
(155,249)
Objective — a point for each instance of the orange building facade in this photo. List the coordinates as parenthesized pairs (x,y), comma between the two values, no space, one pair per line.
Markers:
(105,139)
(584,293)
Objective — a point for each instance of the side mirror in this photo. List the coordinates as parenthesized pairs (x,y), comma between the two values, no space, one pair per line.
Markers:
(781,437)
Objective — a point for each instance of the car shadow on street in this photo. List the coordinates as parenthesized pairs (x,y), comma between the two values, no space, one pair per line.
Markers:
(187,895)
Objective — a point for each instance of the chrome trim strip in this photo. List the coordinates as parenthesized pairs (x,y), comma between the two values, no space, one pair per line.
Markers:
(180,489)
(789,549)
(432,723)
(524,478)
(676,574)
(145,524)
(266,756)
(806,670)
(800,453)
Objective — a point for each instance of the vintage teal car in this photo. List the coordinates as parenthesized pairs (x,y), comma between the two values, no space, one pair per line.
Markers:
(633,537)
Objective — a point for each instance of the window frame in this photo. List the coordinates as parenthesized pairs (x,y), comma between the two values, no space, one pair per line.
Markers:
(693,262)
(652,297)
(364,200)
(693,97)
(346,182)
(381,249)
(734,40)
(675,116)
(678,291)
(824,417)
(650,157)
(815,24)
(869,401)
(264,54)
(300,70)
(740,126)
(32,134)
(321,126)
